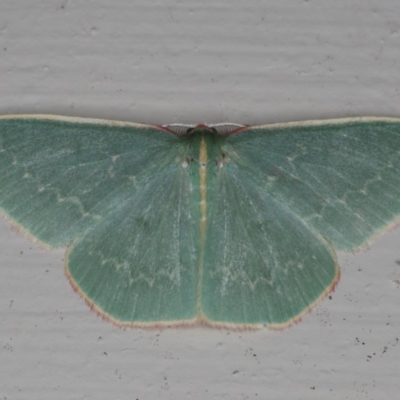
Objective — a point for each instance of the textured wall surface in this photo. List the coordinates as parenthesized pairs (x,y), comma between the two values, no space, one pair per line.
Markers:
(186,61)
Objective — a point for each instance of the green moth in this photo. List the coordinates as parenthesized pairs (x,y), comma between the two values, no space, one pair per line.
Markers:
(223,224)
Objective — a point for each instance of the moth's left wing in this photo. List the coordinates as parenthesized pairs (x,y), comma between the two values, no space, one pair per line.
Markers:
(284,197)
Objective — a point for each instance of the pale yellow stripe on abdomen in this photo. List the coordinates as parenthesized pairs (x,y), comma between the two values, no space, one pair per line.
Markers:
(203,219)
(203,187)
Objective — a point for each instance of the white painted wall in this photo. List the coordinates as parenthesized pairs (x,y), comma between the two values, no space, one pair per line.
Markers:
(189,61)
